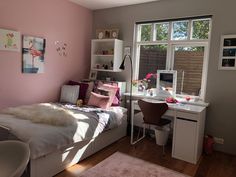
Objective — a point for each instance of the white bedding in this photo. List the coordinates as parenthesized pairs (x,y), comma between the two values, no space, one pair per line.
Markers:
(44,139)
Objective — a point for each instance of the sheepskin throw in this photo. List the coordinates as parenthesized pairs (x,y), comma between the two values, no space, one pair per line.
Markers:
(45,113)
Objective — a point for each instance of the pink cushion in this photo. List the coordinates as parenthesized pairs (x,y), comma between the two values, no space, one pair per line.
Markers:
(111,92)
(99,100)
(98,84)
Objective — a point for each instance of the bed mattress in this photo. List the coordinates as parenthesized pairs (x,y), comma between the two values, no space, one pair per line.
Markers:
(44,139)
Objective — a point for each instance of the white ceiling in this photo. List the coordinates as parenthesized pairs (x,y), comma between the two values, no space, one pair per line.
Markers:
(103,4)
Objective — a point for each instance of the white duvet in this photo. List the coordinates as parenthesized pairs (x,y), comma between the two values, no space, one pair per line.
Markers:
(44,139)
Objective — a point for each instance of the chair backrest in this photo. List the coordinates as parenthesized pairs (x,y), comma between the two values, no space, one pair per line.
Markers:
(152,112)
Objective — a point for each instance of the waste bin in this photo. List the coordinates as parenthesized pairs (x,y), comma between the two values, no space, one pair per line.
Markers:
(208,144)
(161,135)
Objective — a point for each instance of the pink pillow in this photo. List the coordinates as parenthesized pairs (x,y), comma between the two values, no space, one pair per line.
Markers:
(111,92)
(99,100)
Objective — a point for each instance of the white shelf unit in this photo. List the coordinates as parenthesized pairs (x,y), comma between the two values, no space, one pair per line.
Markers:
(106,55)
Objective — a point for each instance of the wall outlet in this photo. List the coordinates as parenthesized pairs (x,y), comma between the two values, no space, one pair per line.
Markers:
(218,140)
(127,51)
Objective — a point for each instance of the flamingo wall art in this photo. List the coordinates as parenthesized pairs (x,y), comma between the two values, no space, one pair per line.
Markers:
(33,54)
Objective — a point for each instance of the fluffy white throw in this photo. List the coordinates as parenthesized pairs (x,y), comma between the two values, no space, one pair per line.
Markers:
(45,113)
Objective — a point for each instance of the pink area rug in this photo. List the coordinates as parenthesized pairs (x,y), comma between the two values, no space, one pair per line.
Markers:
(123,165)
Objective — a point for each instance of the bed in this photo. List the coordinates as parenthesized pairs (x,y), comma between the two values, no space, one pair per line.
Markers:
(56,147)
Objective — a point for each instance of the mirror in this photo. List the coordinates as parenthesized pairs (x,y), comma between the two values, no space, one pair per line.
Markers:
(166,82)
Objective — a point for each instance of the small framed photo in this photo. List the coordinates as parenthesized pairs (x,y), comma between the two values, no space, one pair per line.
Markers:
(228,63)
(93,75)
(100,34)
(107,33)
(114,33)
(227,53)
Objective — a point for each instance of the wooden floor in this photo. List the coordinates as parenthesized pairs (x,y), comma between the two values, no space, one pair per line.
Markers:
(215,165)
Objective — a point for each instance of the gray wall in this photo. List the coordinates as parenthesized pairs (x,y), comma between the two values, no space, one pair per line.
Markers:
(221,85)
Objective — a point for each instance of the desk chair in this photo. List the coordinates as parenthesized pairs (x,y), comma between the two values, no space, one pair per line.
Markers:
(152,113)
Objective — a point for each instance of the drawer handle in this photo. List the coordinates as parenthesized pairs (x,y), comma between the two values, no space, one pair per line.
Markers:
(180,118)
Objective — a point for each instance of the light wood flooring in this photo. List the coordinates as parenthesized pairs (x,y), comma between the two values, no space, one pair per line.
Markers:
(216,165)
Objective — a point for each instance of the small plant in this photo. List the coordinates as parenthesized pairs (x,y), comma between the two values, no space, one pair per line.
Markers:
(150,79)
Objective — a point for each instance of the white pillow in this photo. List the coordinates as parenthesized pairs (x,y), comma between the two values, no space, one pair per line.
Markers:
(69,94)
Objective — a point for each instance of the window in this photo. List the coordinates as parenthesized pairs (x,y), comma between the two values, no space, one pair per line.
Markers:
(152,58)
(162,31)
(180,30)
(200,29)
(146,32)
(180,45)
(188,61)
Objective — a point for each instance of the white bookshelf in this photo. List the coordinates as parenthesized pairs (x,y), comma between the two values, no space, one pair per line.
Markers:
(106,55)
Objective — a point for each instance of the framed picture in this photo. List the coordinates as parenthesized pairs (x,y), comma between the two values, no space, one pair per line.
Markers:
(10,40)
(100,34)
(115,33)
(107,33)
(93,75)
(33,54)
(227,59)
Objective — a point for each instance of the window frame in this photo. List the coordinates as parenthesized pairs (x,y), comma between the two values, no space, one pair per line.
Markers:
(171,44)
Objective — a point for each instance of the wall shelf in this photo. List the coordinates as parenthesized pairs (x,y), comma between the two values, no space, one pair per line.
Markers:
(106,54)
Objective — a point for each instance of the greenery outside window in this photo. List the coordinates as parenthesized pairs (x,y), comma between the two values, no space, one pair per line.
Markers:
(146,31)
(162,30)
(180,30)
(200,29)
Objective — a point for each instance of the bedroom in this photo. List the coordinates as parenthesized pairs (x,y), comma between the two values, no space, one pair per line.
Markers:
(75,25)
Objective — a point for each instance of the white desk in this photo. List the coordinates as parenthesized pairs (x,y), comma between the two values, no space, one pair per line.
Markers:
(188,125)
(181,100)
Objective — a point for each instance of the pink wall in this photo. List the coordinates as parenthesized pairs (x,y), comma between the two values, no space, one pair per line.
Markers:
(55,20)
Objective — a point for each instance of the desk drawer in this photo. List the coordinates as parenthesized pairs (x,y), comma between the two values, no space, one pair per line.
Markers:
(187,115)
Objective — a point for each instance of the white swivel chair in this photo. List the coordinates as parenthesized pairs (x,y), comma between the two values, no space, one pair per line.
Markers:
(14,157)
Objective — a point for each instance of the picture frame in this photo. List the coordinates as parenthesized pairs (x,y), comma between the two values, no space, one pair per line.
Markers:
(10,40)
(33,50)
(107,33)
(93,75)
(227,58)
(100,34)
(115,33)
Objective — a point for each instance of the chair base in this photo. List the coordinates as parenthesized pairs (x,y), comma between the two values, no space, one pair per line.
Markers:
(133,142)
